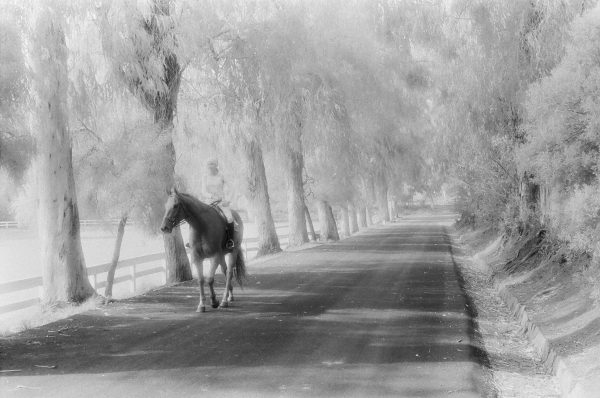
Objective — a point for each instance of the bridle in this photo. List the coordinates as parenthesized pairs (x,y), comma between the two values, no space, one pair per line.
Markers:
(172,221)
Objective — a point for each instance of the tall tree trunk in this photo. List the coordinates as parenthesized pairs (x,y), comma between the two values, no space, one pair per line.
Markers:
(345,221)
(295,192)
(369,217)
(258,197)
(393,209)
(177,261)
(353,218)
(64,273)
(328,227)
(176,257)
(110,277)
(362,217)
(370,198)
(529,193)
(309,223)
(382,199)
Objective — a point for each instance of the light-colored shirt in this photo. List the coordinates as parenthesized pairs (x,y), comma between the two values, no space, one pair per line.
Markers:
(213,187)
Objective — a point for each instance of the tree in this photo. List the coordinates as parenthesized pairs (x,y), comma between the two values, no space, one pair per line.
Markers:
(492,53)
(64,273)
(119,161)
(234,81)
(147,61)
(562,146)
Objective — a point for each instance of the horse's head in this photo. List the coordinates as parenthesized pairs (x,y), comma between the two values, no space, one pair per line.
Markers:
(174,213)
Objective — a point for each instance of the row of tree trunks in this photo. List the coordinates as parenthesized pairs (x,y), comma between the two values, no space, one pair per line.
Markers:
(258,196)
(63,267)
(352,219)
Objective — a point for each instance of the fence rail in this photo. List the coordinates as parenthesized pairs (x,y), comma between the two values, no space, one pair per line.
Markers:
(135,272)
(8,224)
(83,223)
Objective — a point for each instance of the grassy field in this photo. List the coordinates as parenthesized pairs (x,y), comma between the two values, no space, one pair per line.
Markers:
(20,249)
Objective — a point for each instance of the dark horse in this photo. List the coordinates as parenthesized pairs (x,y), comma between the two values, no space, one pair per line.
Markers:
(207,240)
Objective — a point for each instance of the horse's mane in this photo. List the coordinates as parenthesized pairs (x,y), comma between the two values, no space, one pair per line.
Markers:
(193,205)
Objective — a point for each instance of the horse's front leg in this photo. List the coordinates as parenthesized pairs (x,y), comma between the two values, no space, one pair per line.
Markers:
(214,263)
(230,296)
(228,282)
(198,263)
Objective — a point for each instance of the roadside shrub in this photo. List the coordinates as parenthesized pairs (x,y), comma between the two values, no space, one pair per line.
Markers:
(577,220)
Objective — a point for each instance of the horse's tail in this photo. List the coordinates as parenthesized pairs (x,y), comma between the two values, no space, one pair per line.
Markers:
(239,270)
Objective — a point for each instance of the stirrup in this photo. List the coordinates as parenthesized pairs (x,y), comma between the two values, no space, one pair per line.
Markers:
(230,244)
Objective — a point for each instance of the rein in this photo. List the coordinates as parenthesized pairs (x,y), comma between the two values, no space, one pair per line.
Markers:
(186,214)
(175,224)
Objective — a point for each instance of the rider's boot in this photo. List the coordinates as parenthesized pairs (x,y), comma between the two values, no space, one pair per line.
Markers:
(229,231)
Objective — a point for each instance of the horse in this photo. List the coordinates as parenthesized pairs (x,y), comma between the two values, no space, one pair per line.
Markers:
(207,241)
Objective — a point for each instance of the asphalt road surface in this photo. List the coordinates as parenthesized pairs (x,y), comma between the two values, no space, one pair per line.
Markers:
(378,314)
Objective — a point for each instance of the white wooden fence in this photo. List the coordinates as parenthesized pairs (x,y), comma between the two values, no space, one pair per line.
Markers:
(135,268)
(83,223)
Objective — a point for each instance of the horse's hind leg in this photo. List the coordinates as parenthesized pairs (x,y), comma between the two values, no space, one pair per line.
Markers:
(200,269)
(214,263)
(228,282)
(230,291)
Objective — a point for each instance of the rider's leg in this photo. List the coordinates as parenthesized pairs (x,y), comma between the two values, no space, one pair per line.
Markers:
(230,228)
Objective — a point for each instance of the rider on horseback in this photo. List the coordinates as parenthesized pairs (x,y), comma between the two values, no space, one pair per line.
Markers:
(213,191)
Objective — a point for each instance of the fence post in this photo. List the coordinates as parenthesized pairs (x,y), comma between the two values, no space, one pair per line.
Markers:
(132,274)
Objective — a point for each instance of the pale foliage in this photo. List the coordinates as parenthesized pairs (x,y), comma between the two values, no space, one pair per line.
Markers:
(494,51)
(563,131)
(15,145)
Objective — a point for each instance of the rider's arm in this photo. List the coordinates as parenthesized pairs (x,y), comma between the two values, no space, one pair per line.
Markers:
(224,187)
(204,193)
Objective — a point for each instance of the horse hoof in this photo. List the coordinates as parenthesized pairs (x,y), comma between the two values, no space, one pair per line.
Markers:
(215,304)
(224,304)
(201,309)
(230,299)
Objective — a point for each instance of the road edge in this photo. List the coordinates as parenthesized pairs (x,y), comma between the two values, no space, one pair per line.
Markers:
(552,361)
(478,351)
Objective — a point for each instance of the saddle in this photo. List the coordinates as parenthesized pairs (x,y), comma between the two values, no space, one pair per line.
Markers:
(228,243)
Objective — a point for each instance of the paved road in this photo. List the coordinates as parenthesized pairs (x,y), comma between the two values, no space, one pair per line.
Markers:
(379,314)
